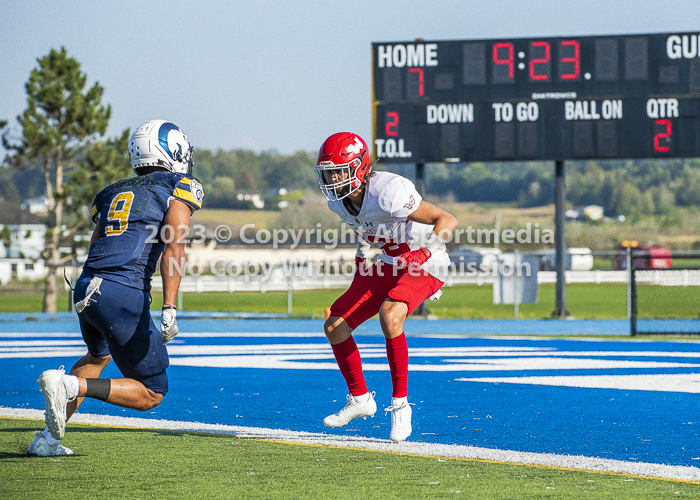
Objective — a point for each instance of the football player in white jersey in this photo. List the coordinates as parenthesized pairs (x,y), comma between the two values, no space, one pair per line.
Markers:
(385,211)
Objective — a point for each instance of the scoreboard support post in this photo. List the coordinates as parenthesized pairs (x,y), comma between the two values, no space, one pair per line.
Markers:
(420,178)
(631,293)
(420,187)
(560,239)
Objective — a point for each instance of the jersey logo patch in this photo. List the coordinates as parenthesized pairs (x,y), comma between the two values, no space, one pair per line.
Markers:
(197,191)
(410,204)
(192,193)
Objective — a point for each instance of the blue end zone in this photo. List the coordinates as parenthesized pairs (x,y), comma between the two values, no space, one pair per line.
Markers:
(621,399)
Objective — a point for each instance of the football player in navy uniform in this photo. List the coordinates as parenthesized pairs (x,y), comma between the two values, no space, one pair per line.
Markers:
(137,220)
(387,212)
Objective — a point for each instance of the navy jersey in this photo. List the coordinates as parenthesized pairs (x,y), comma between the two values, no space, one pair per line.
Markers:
(130,213)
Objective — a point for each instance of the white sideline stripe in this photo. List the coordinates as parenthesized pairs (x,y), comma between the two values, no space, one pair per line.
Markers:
(479,365)
(309,356)
(449,336)
(610,354)
(38,343)
(676,382)
(194,350)
(12,349)
(180,348)
(319,335)
(683,473)
(42,335)
(368,350)
(53,353)
(21,335)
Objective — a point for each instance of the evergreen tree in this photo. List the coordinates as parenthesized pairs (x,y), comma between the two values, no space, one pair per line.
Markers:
(59,128)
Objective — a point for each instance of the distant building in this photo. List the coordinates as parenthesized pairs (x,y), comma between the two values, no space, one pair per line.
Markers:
(589,212)
(39,206)
(572,214)
(26,229)
(21,269)
(593,212)
(253,199)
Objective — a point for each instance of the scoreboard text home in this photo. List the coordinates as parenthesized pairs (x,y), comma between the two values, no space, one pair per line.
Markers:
(627,96)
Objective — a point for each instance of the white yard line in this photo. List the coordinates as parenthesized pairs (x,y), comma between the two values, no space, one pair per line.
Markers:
(678,472)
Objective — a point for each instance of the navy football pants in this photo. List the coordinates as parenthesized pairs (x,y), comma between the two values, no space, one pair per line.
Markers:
(117,321)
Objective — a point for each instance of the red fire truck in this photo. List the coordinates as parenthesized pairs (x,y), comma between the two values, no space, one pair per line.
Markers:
(645,256)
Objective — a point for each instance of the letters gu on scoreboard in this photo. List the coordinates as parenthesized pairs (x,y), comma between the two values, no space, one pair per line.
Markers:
(623,96)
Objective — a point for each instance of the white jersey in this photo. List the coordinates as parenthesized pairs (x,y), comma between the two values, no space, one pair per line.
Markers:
(382,221)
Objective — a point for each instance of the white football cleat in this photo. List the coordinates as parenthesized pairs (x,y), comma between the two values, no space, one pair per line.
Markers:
(352,410)
(55,398)
(40,447)
(400,421)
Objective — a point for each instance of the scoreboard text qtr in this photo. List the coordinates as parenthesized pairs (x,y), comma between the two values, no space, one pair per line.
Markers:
(595,97)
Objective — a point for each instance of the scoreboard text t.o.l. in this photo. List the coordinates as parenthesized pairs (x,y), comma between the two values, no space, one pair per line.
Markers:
(602,97)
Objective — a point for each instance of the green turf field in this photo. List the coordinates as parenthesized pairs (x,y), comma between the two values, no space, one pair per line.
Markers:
(583,300)
(668,302)
(139,463)
(464,301)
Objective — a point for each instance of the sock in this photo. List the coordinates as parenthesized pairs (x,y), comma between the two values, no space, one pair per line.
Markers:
(50,438)
(348,358)
(398,401)
(72,386)
(397,354)
(362,399)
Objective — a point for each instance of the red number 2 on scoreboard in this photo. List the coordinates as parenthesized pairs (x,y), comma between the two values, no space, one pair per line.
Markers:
(388,126)
(539,60)
(665,136)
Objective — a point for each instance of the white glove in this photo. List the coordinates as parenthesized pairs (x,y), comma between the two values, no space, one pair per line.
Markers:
(168,323)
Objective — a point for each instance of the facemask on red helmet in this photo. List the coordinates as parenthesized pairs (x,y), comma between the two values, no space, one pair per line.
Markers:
(343,163)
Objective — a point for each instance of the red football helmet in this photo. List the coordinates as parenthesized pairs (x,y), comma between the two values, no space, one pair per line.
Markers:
(343,163)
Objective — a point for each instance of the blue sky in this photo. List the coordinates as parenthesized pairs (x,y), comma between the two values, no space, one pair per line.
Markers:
(271,74)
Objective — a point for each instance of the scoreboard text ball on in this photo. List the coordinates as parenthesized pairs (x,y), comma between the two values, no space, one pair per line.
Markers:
(592,97)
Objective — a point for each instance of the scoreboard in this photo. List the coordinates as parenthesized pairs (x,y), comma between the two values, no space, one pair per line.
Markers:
(589,97)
